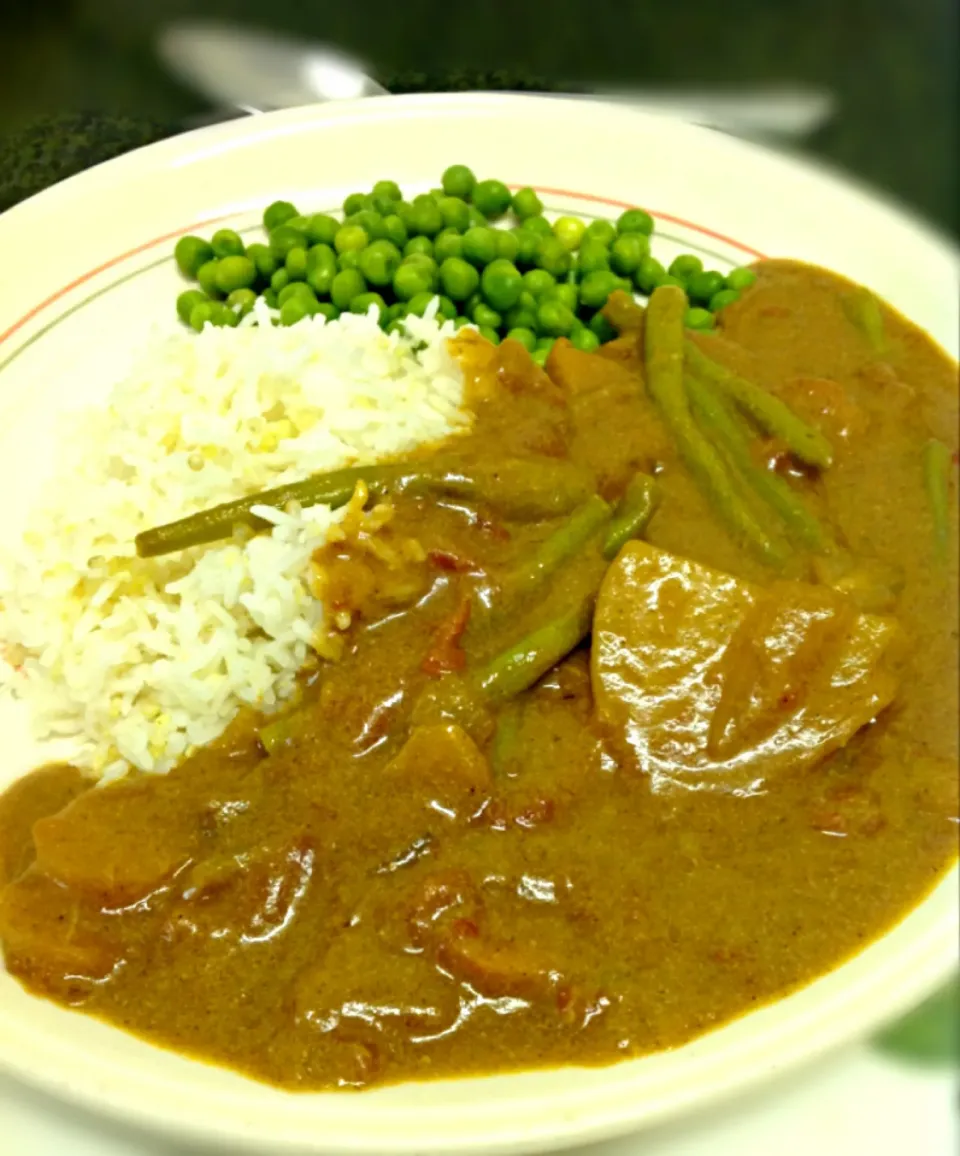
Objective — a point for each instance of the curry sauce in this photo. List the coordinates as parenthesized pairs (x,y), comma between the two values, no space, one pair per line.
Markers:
(402,879)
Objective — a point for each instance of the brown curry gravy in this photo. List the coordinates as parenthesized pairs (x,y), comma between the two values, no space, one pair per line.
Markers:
(332,916)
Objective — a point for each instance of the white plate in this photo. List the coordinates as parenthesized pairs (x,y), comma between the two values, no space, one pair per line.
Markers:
(94,271)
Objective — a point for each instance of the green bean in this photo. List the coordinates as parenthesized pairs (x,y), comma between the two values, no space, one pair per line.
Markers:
(505,737)
(633,513)
(936,478)
(863,310)
(723,425)
(769,412)
(277,733)
(516,669)
(664,355)
(582,525)
(516,488)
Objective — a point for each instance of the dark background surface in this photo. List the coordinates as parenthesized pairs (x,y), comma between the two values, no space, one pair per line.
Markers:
(79,80)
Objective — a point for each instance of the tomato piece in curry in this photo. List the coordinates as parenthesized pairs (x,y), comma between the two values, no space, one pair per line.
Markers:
(744,778)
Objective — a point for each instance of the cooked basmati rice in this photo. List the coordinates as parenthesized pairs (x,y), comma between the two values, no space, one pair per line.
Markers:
(142,660)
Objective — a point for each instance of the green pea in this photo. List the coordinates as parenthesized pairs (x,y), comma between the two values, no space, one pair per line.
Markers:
(186,302)
(526,203)
(554,256)
(347,284)
(741,278)
(379,261)
(404,210)
(540,356)
(380,204)
(224,318)
(501,284)
(702,286)
(492,198)
(602,231)
(593,257)
(722,299)
(327,310)
(459,278)
(490,334)
(568,294)
(485,317)
(298,222)
(368,220)
(539,225)
(522,316)
(546,343)
(226,243)
(419,303)
(602,328)
(595,288)
(477,219)
(191,253)
(284,238)
(627,251)
(585,339)
(527,241)
(298,289)
(395,326)
(458,181)
(569,231)
(635,221)
(669,279)
(480,245)
(207,277)
(350,259)
(460,322)
(241,301)
(650,273)
(526,337)
(270,298)
(354,203)
(362,302)
(555,319)
(267,264)
(395,230)
(449,243)
(235,273)
(455,213)
(438,194)
(321,268)
(388,189)
(410,279)
(684,266)
(507,245)
(446,309)
(418,245)
(201,313)
(321,228)
(295,310)
(697,318)
(280,280)
(296,264)
(350,237)
(278,214)
(426,219)
(536,282)
(473,301)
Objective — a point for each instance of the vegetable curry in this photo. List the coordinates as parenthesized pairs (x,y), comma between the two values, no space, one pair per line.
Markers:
(637,710)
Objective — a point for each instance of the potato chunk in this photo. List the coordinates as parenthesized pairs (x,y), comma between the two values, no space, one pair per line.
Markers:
(707,682)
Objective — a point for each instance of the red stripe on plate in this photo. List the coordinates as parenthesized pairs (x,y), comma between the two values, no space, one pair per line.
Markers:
(62,292)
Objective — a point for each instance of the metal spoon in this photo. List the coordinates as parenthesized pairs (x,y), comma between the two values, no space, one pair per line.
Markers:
(247,71)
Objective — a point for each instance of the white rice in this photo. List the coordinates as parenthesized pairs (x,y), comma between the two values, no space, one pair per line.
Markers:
(142,660)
